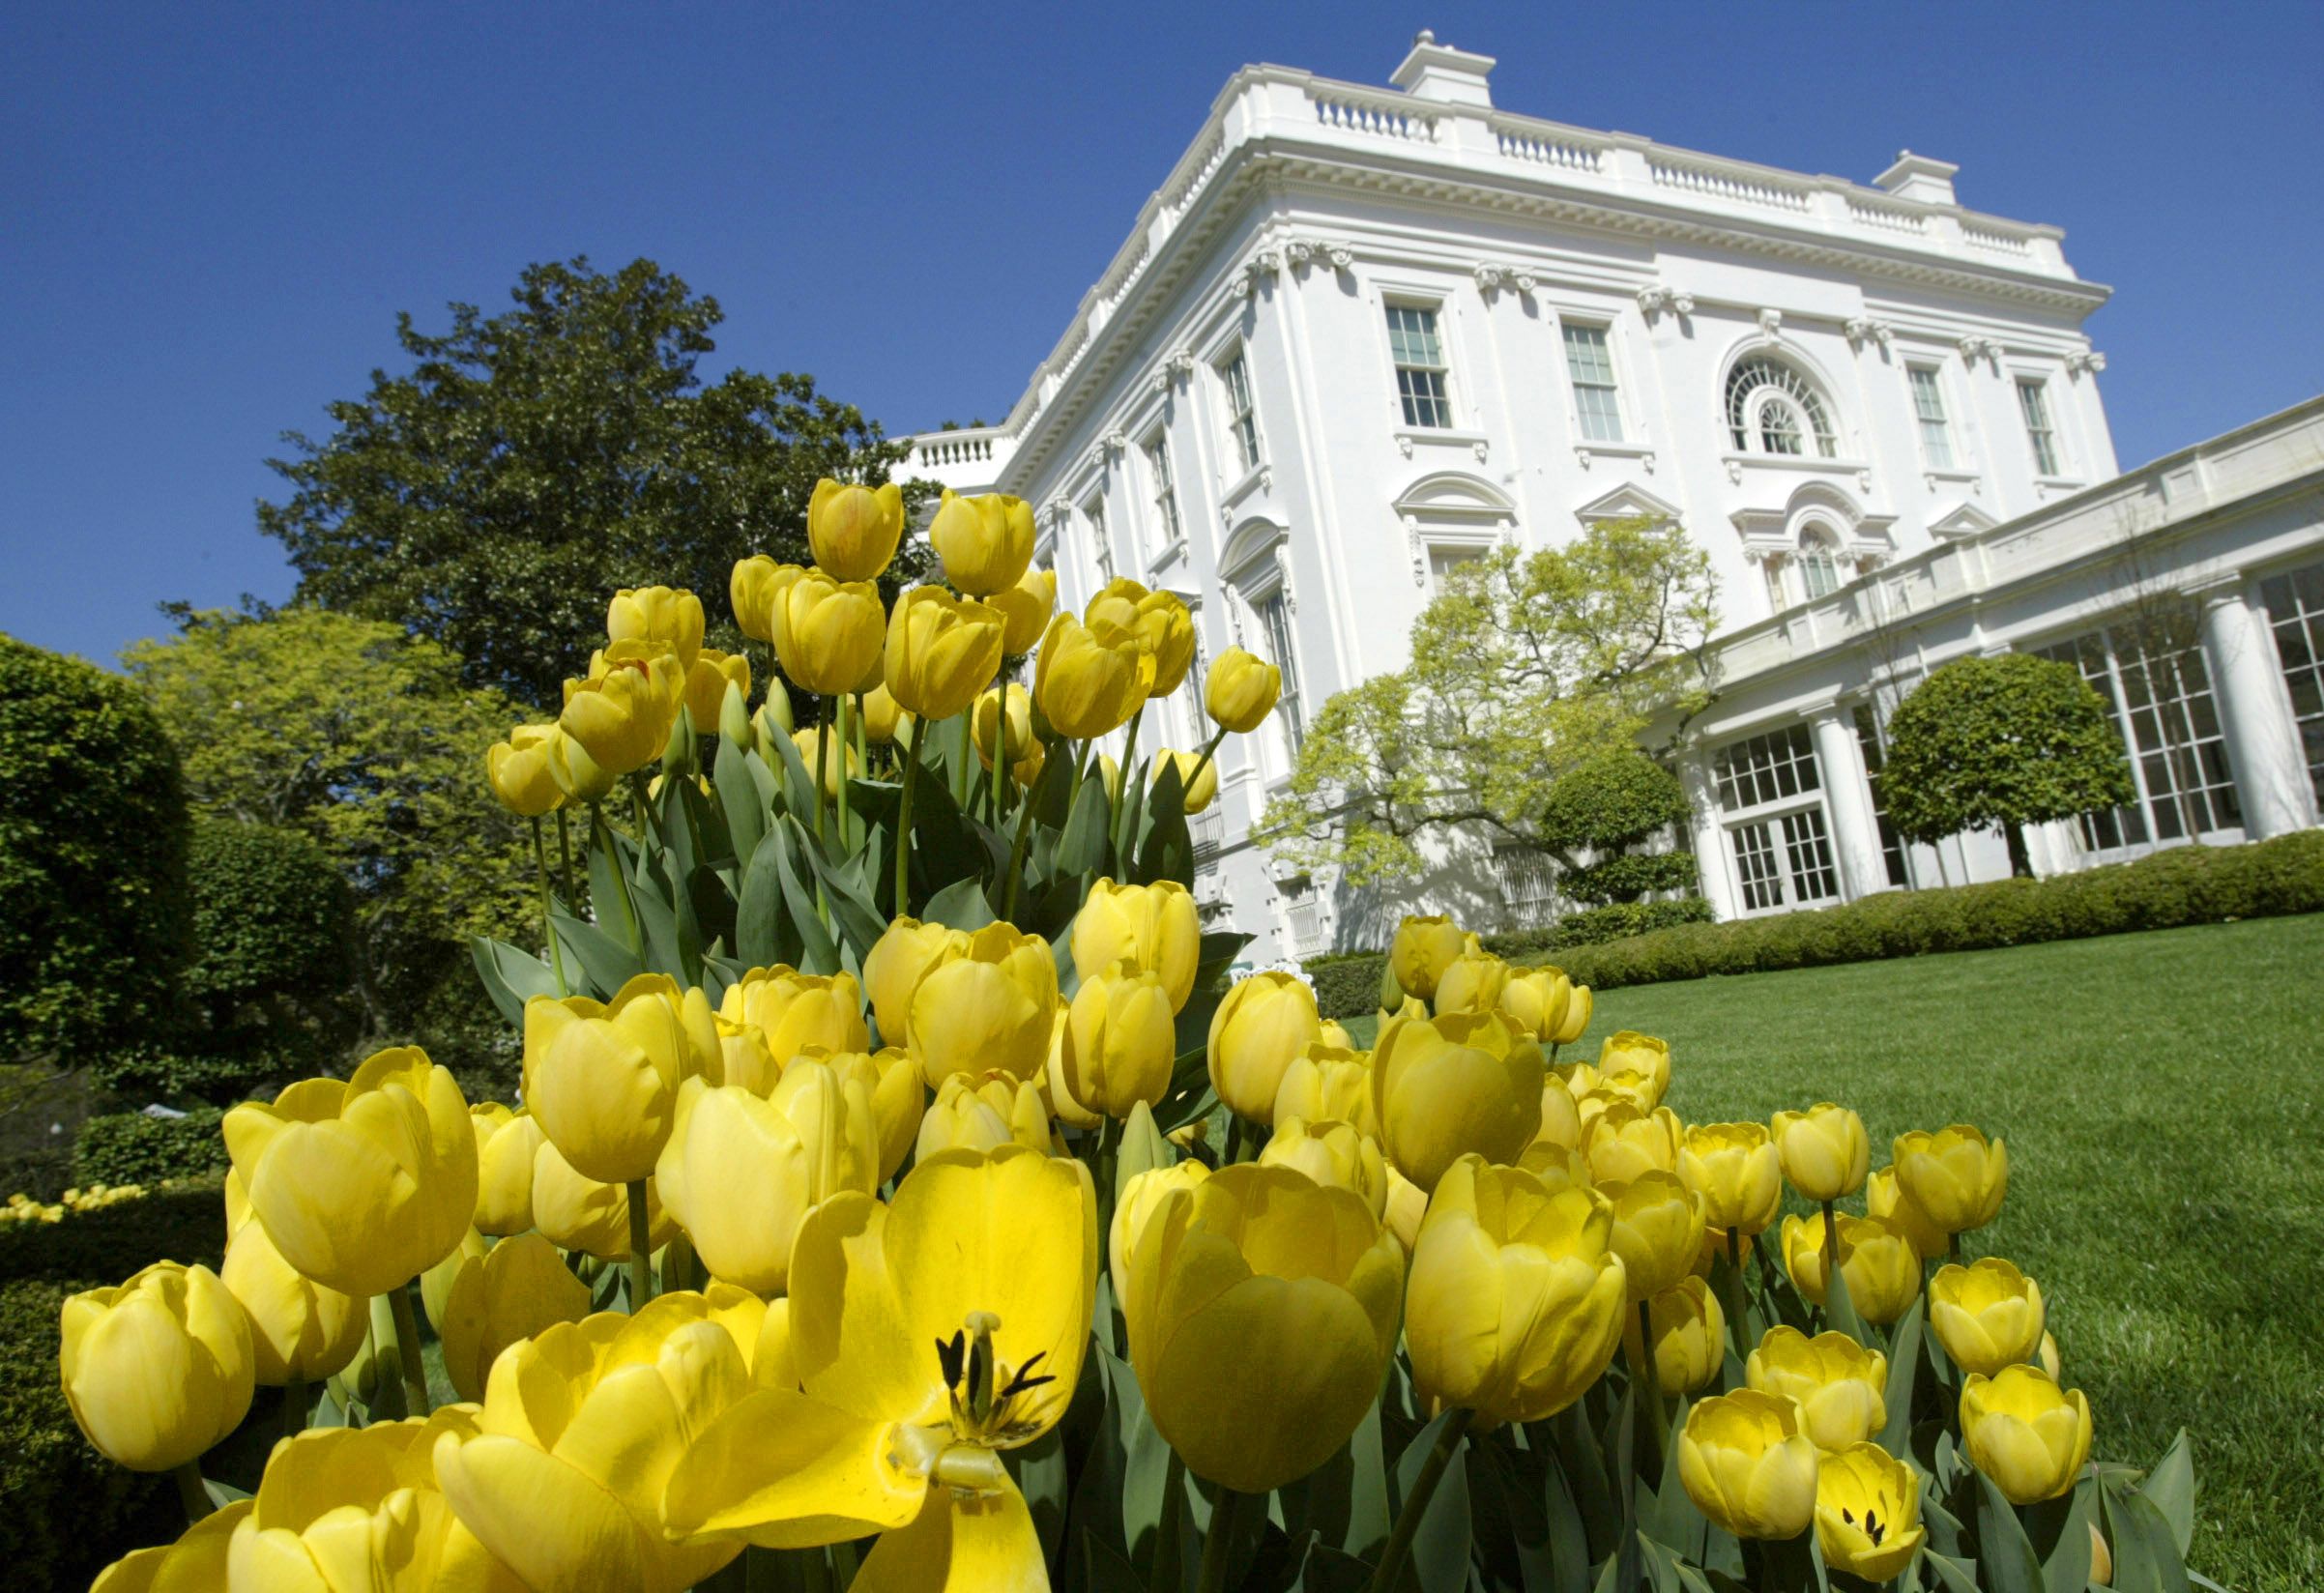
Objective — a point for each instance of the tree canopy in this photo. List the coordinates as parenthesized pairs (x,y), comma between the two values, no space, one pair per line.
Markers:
(1530,671)
(2008,742)
(493,496)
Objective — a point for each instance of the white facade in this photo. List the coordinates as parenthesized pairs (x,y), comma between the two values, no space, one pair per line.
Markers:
(1360,334)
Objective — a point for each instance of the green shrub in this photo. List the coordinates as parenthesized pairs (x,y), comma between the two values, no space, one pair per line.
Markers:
(271,917)
(1627,876)
(92,858)
(2184,886)
(130,1148)
(199,1070)
(1348,985)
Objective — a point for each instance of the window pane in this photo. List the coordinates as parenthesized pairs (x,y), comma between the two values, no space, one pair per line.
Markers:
(2033,404)
(1808,848)
(1755,865)
(2295,605)
(1928,406)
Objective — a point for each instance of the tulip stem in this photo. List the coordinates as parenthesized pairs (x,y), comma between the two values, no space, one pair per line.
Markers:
(540,866)
(1415,1503)
(641,1248)
(912,778)
(1204,762)
(1217,1543)
(1123,837)
(847,807)
(407,1351)
(294,1407)
(565,859)
(193,1492)
(823,773)
(1735,1331)
(1016,861)
(1164,1575)
(1831,1245)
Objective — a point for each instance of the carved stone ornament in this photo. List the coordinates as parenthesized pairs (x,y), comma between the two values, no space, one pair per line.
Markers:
(1974,348)
(1489,277)
(1870,328)
(1771,324)
(1403,444)
(1582,458)
(1864,481)
(1654,300)
(1480,448)
(2085,360)
(1682,304)
(1116,444)
(1734,472)
(1411,536)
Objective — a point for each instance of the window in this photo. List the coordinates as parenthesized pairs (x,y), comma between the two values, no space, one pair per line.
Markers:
(1275,623)
(1198,675)
(1166,492)
(1876,759)
(1767,768)
(1590,364)
(1241,419)
(1808,848)
(1100,542)
(1304,908)
(2295,604)
(2160,694)
(2033,404)
(1419,356)
(1771,408)
(1445,558)
(1928,406)
(1528,884)
(1818,561)
(1768,787)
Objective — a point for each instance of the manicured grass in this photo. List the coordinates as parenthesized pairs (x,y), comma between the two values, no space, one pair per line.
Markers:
(2163,1098)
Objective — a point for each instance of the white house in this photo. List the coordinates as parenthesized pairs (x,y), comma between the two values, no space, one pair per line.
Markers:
(1360,334)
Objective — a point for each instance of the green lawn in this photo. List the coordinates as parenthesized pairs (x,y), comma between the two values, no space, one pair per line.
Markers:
(2163,1096)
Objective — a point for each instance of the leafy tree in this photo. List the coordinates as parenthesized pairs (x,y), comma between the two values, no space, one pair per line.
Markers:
(364,738)
(92,860)
(1534,676)
(2009,741)
(492,496)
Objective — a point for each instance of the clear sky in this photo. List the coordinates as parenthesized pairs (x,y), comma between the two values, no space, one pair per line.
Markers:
(209,214)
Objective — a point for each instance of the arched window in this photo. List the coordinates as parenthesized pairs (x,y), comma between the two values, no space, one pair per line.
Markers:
(1818,561)
(1771,408)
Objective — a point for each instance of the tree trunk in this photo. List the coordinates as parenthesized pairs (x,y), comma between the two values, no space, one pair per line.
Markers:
(2020,861)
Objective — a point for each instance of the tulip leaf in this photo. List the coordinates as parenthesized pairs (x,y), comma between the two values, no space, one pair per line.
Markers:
(512,977)
(798,786)
(2147,1551)
(747,811)
(856,920)
(1582,1463)
(764,934)
(2060,1533)
(1840,1312)
(2005,1556)
(607,898)
(1958,1576)
(1440,1562)
(1569,1538)
(961,905)
(222,1494)
(817,954)
(1509,1512)
(665,948)
(605,963)
(1329,1570)
(1040,1471)
(1107,1572)
(1081,847)
(2170,1486)
(1904,1367)
(1673,1517)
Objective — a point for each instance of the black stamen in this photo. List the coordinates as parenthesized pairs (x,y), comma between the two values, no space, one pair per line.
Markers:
(1024,1380)
(1872,1525)
(953,1357)
(1846,1517)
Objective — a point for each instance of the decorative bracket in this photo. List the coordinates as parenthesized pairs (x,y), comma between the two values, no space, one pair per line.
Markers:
(1870,328)
(1419,552)
(1653,301)
(1771,325)
(1974,348)
(2085,359)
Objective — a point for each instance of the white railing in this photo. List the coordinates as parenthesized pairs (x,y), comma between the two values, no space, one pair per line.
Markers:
(1307,923)
(1721,182)
(941,450)
(1891,216)
(1373,117)
(1546,149)
(1995,242)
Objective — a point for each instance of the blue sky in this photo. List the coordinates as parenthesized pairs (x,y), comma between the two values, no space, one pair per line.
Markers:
(209,216)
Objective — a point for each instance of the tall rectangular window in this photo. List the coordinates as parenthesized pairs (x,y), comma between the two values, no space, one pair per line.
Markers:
(1768,799)
(1166,492)
(2295,604)
(2155,683)
(1275,618)
(1100,540)
(1929,407)
(1876,759)
(1419,356)
(2033,404)
(1241,419)
(1590,365)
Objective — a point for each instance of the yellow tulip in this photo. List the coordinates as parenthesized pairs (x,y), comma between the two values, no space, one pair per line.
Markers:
(602,1077)
(1537,998)
(981,1116)
(1987,1315)
(1868,1512)
(158,1369)
(1627,1050)
(518,1289)
(1734,1169)
(1444,1087)
(853,530)
(828,634)
(621,717)
(793,1150)
(1337,1155)
(1422,949)
(896,964)
(576,775)
(1329,1084)
(504,1198)
(299,1329)
(1624,1141)
(928,1337)
(577,1212)
(795,1010)
(1167,626)
(362,1186)
(2046,1357)
(880,718)
(1884,1198)
(563,1476)
(1690,1336)
(1141,1197)
(1263,1024)
(1336,1036)
(1472,983)
(1955,1175)
(750,592)
(1055,1091)
(985,542)
(1556,1166)
(1122,1042)
(707,681)
(1578,1006)
(659,618)
(1823,1150)
(1882,1269)
(1197,797)
(196,1563)
(1656,1231)
(1840,1385)
(891,1082)
(989,1009)
(1240,691)
(1516,1299)
(986,729)
(1259,1290)
(1561,1123)
(519,771)
(1153,926)
(1746,1465)
(1027,607)
(1089,683)
(941,651)
(2031,1438)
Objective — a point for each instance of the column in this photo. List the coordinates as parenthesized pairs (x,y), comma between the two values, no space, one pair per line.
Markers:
(1848,799)
(2263,747)
(1709,838)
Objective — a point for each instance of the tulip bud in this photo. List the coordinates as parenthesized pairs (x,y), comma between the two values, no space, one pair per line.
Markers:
(1423,948)
(828,758)
(972,1114)
(1627,1050)
(518,768)
(795,1010)
(1882,1269)
(1578,1006)
(1055,1090)
(772,719)
(1690,1336)
(1090,682)
(985,542)
(1242,691)
(665,619)
(1329,1084)
(941,651)
(1885,1199)
(1220,1335)
(1987,1315)
(880,718)
(621,715)
(1656,1231)
(516,1291)
(1734,1169)
(1517,1299)
(853,530)
(299,1329)
(985,723)
(1471,982)
(1142,1147)
(1840,1385)
(988,1009)
(1745,1462)
(1868,1512)
(1537,997)
(902,956)
(1264,1023)
(1027,607)
(576,1212)
(891,1080)
(602,1077)
(1333,1154)
(714,677)
(750,592)
(1141,1196)
(1624,1141)
(1561,1123)
(160,1369)
(1446,1086)
(1955,1175)
(734,712)
(1122,1042)
(1153,926)
(1823,1150)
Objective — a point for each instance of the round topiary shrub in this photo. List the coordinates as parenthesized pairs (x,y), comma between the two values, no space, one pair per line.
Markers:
(271,917)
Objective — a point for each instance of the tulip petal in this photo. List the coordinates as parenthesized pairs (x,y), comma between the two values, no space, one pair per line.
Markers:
(546,1521)
(963,1542)
(786,1471)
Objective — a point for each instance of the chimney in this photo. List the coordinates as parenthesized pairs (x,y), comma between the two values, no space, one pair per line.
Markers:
(1447,76)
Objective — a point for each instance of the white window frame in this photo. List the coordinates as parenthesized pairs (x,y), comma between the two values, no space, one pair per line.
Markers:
(1940,446)
(1170,518)
(2049,436)
(1787,822)
(1438,333)
(1241,406)
(1818,547)
(1802,398)
(1611,387)
(1101,537)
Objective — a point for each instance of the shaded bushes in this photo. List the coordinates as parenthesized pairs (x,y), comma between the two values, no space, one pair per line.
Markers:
(130,1148)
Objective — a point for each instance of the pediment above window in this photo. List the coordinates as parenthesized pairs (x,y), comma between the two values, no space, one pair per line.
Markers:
(1455,495)
(1967,520)
(1628,501)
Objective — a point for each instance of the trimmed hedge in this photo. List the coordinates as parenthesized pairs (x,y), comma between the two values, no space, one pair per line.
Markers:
(128,1148)
(2183,886)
